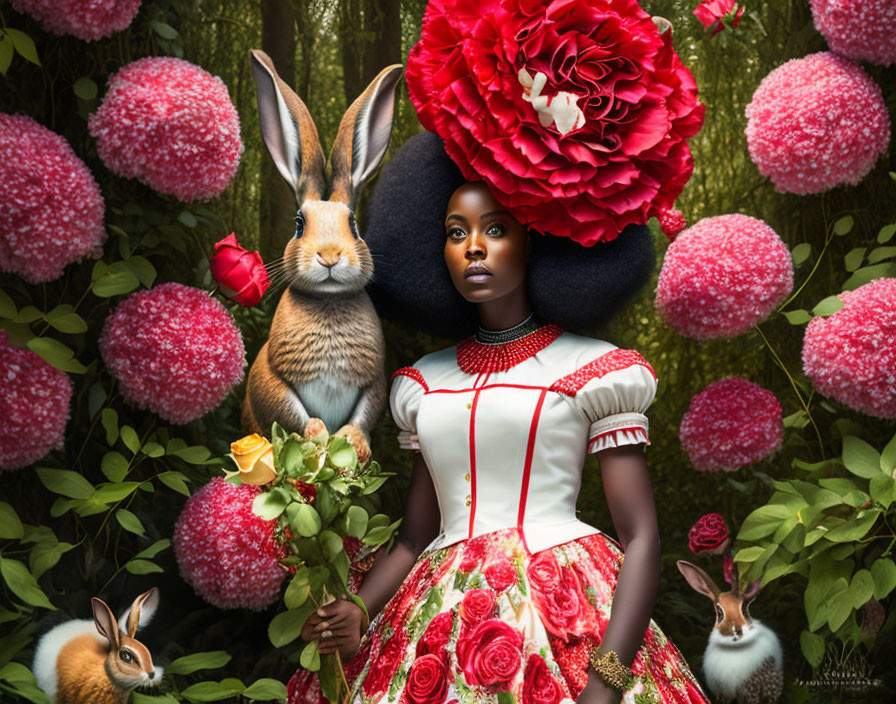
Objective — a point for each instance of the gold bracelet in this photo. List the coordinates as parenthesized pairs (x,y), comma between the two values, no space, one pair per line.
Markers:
(611,669)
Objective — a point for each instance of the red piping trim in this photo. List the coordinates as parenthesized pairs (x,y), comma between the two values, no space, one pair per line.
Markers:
(527,468)
(490,386)
(412,373)
(473,461)
(612,361)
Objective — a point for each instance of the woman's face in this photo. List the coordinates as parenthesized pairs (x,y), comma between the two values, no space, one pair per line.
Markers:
(486,249)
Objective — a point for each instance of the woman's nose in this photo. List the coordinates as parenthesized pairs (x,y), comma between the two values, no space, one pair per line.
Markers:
(475,246)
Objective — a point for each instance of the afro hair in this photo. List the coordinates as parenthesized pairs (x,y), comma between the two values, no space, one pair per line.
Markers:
(575,287)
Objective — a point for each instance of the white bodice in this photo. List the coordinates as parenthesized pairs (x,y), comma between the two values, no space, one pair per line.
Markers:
(506,448)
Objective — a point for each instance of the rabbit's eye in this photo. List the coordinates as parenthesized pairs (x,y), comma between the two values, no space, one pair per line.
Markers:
(300,224)
(126,656)
(353,224)
(720,615)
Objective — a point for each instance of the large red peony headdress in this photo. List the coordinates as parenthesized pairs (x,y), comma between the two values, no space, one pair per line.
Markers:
(574,112)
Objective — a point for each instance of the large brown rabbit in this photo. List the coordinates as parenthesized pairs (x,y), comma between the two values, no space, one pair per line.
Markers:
(324,355)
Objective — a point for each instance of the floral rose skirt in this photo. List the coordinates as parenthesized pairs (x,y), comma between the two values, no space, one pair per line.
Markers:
(483,620)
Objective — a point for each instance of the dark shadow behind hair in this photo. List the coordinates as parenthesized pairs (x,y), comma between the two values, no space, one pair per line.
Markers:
(575,287)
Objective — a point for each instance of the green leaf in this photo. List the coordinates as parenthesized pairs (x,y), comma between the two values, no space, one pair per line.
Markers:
(11,527)
(114,466)
(880,254)
(109,419)
(298,590)
(860,458)
(310,657)
(212,691)
(24,45)
(812,646)
(45,555)
(110,493)
(749,554)
(888,457)
(506,698)
(331,544)
(187,219)
(52,351)
(854,529)
(342,454)
(64,319)
(129,521)
(189,664)
(868,273)
(798,317)
(304,518)
(29,314)
(883,490)
(154,549)
(379,536)
(153,449)
(65,482)
(854,258)
(265,689)
(269,505)
(844,225)
(138,698)
(7,307)
(6,52)
(764,521)
(828,306)
(285,627)
(175,481)
(130,439)
(143,270)
(117,280)
(861,588)
(196,454)
(373,485)
(23,584)
(136,566)
(886,233)
(85,89)
(801,253)
(165,31)
(884,573)
(840,608)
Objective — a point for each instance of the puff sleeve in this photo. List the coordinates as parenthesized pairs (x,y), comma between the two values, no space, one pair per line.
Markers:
(408,388)
(614,392)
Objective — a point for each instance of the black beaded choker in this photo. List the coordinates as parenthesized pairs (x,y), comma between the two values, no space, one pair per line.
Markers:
(501,337)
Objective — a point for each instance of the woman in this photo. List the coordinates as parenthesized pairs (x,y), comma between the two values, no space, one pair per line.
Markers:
(494,586)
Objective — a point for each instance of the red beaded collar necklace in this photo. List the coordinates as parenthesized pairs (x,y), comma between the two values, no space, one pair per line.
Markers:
(489,352)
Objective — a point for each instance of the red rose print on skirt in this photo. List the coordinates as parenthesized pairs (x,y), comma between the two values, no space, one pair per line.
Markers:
(539,685)
(500,575)
(383,669)
(490,655)
(477,605)
(427,680)
(436,635)
(559,598)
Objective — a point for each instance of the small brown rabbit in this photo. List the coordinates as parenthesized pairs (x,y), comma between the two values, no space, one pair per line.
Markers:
(742,661)
(324,356)
(99,661)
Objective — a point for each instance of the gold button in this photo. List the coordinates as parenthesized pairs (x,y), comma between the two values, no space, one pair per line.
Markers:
(469,406)
(469,502)
(467,476)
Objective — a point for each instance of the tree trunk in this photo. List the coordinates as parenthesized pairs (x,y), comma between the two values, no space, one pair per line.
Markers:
(277,208)
(385,49)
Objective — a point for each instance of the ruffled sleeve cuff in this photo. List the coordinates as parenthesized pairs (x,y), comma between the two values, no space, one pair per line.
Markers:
(408,388)
(618,430)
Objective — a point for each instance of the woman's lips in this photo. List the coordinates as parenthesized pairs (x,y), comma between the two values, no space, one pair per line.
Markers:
(477,274)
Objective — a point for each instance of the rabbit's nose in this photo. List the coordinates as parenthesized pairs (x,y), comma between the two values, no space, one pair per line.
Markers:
(329,259)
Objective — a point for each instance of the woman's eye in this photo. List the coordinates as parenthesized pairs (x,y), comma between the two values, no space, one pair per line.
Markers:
(300,225)
(495,230)
(455,233)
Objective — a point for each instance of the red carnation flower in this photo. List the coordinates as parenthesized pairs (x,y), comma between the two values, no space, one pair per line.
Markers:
(850,356)
(174,350)
(712,14)
(51,211)
(87,20)
(34,406)
(730,424)
(574,112)
(226,552)
(709,534)
(240,274)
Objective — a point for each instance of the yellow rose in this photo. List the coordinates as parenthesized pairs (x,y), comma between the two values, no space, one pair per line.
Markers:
(254,456)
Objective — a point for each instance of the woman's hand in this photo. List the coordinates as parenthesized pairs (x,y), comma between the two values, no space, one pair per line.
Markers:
(338,626)
(596,692)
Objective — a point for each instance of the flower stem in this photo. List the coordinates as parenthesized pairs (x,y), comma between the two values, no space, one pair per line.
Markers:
(796,388)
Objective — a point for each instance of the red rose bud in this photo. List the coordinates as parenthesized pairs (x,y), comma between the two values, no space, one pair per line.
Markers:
(240,274)
(709,534)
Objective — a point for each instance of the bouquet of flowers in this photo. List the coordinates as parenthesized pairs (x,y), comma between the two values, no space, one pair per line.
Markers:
(327,531)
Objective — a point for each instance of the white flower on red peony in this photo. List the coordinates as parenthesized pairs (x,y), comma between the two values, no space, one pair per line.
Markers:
(863,30)
(86,19)
(51,210)
(816,123)
(730,424)
(34,406)
(170,124)
(850,356)
(226,552)
(722,276)
(174,349)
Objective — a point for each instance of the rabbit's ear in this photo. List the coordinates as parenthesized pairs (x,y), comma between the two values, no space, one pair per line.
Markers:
(363,136)
(105,621)
(288,131)
(698,579)
(140,613)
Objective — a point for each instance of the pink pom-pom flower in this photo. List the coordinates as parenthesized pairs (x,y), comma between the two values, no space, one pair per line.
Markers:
(51,209)
(226,552)
(863,30)
(86,19)
(722,276)
(731,423)
(170,124)
(174,350)
(851,355)
(34,406)
(816,123)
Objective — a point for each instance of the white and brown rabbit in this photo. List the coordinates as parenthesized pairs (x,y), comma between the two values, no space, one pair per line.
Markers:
(742,661)
(324,356)
(98,661)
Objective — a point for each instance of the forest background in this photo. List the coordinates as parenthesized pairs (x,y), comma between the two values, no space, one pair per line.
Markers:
(330,50)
